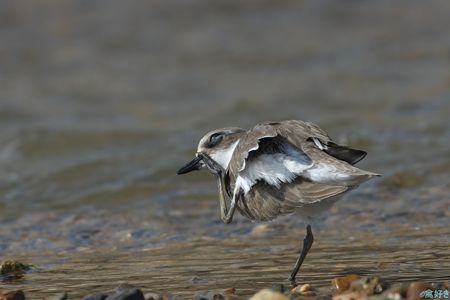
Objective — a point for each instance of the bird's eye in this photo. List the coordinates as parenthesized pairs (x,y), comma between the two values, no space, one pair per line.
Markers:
(215,139)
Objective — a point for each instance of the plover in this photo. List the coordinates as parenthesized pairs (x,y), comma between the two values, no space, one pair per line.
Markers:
(278,168)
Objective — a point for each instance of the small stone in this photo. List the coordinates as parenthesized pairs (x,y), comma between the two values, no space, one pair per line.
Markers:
(341,284)
(303,290)
(306,288)
(230,291)
(127,294)
(12,295)
(267,294)
(98,296)
(153,296)
(350,296)
(415,289)
(209,296)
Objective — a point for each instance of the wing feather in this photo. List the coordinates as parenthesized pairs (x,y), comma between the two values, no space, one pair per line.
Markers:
(295,131)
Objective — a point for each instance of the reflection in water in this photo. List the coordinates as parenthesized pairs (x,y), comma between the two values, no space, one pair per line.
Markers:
(100,105)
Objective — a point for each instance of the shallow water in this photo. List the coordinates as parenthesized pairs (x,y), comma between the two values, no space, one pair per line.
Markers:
(101,103)
(247,263)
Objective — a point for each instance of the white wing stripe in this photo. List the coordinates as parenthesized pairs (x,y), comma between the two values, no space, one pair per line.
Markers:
(275,169)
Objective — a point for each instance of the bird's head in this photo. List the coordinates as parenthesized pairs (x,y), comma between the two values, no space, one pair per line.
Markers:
(218,144)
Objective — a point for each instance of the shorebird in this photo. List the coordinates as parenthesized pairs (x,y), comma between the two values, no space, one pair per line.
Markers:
(278,168)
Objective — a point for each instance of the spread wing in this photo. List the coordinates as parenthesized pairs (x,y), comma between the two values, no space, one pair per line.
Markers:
(296,132)
(278,153)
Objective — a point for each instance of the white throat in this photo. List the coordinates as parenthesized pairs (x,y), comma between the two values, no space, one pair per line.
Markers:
(223,157)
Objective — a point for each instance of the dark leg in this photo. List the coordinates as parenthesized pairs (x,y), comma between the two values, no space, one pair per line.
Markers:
(307,243)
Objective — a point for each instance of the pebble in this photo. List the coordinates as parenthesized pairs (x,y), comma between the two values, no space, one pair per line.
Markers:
(267,294)
(153,296)
(12,295)
(351,287)
(127,294)
(303,290)
(342,284)
(98,296)
(415,289)
(230,291)
(209,296)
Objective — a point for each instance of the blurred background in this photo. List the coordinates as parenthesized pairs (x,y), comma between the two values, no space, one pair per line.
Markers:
(102,101)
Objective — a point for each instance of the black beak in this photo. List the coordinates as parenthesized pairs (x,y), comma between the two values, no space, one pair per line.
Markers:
(193,165)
